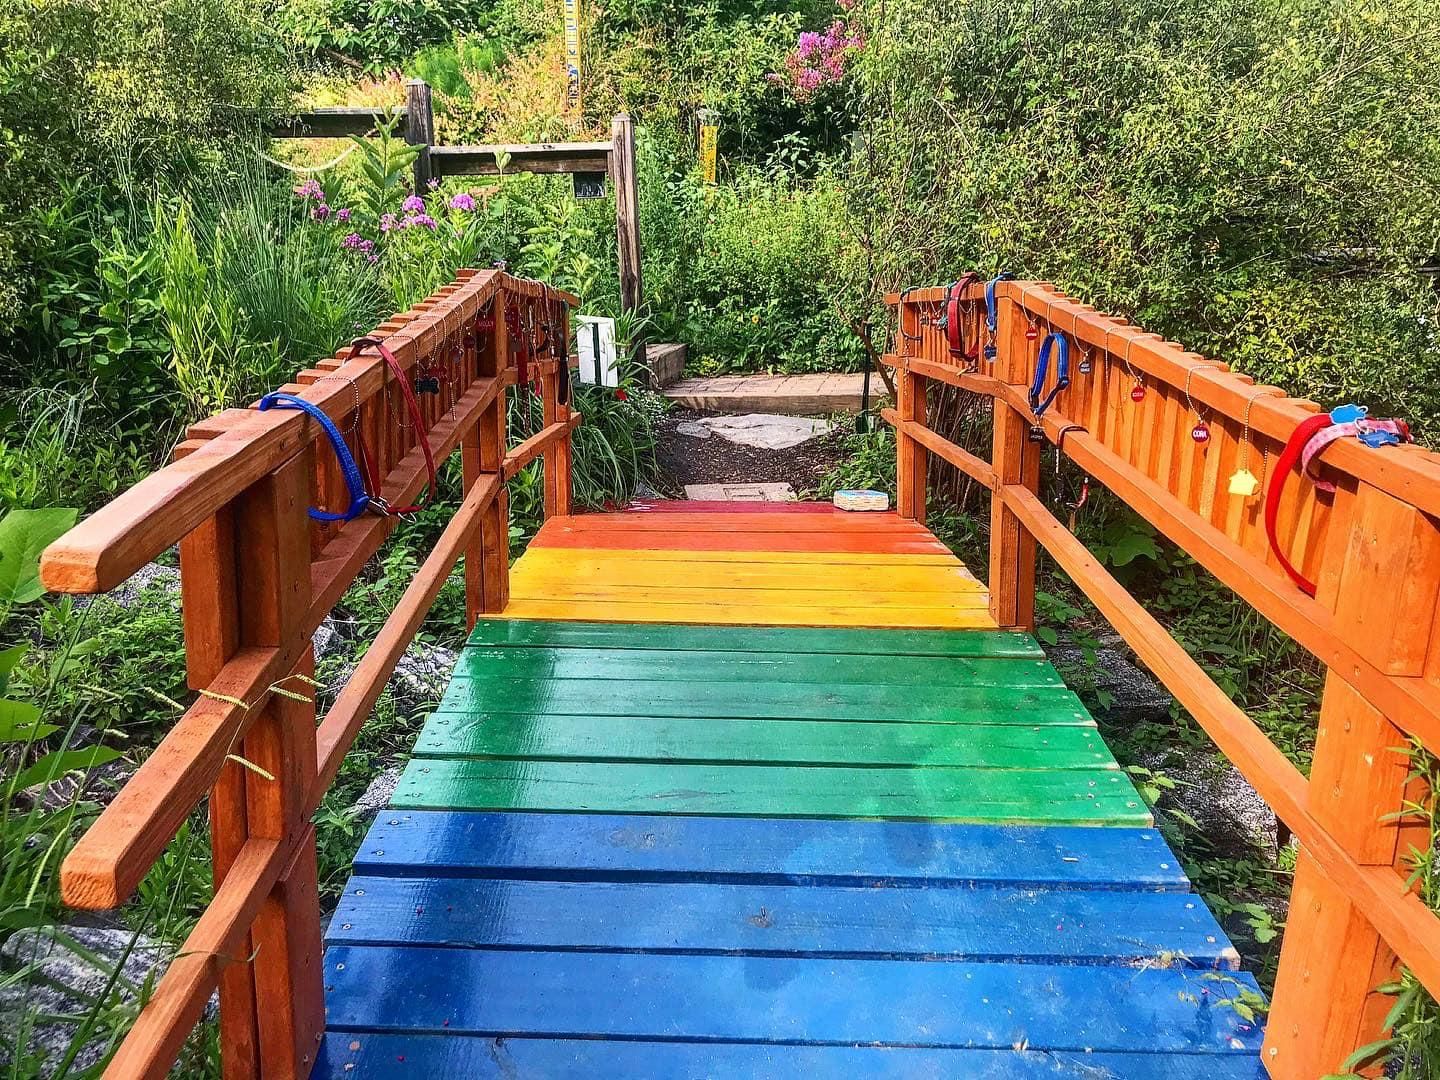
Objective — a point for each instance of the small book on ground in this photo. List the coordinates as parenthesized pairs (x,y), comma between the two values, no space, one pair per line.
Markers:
(857,499)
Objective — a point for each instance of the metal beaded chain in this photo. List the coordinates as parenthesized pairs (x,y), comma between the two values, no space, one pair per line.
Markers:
(354,389)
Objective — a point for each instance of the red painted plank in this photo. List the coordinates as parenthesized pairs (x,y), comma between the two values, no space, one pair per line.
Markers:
(705,506)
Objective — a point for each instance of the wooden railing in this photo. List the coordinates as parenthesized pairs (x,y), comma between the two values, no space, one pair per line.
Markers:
(257,578)
(1128,419)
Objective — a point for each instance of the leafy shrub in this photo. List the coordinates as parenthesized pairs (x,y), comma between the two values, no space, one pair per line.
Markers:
(381,34)
(1252,177)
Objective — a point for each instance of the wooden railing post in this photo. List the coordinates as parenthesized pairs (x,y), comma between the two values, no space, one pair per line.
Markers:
(1016,460)
(487,563)
(564,449)
(1380,575)
(210,611)
(912,460)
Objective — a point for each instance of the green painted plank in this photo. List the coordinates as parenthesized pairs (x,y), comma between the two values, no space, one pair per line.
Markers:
(659,697)
(713,666)
(1059,797)
(761,639)
(785,700)
(802,742)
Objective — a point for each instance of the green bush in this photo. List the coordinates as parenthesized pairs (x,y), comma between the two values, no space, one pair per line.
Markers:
(95,90)
(1255,178)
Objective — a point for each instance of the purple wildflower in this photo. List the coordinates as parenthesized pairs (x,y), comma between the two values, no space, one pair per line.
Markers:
(412,220)
(413,204)
(320,211)
(463,201)
(433,183)
(354,240)
(367,246)
(387,222)
(310,189)
(372,258)
(343,215)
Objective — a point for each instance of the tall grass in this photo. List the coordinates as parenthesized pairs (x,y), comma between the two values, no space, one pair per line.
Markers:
(253,289)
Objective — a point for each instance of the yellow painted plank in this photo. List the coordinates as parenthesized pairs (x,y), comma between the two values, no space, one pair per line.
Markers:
(523,588)
(735,612)
(865,580)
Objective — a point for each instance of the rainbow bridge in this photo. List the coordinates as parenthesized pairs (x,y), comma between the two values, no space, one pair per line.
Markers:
(761,791)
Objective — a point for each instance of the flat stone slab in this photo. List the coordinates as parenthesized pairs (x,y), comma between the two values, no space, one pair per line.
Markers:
(740,492)
(788,395)
(765,431)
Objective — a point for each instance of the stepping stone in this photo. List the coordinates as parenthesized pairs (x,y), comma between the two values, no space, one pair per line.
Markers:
(740,492)
(791,395)
(765,431)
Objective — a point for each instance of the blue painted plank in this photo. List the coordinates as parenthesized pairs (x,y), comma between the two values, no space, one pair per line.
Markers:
(433,1057)
(764,639)
(624,847)
(991,924)
(768,999)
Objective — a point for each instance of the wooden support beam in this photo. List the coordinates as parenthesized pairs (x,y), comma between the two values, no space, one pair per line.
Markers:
(420,128)
(549,158)
(334,123)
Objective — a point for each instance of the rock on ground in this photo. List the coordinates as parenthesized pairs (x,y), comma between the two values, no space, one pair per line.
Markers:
(66,982)
(377,795)
(763,430)
(150,576)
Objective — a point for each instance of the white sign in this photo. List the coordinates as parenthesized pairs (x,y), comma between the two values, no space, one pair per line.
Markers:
(595,345)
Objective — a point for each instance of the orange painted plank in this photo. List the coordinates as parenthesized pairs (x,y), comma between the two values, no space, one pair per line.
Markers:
(879,544)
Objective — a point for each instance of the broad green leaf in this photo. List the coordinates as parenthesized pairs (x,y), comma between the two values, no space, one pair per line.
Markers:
(20,722)
(24,534)
(8,659)
(56,764)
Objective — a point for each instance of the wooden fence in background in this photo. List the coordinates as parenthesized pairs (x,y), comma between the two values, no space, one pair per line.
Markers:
(1372,546)
(257,577)
(614,159)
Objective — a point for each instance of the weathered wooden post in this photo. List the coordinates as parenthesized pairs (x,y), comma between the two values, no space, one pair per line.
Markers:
(627,211)
(420,127)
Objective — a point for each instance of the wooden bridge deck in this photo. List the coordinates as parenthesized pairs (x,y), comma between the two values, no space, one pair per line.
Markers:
(765,793)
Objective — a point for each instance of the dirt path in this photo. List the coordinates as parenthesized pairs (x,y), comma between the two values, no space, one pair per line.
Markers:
(688,460)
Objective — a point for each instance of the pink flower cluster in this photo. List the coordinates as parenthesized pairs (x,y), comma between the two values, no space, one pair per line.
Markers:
(311,190)
(365,247)
(819,59)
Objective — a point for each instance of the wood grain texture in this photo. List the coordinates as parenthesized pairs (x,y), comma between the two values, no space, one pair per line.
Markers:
(998,796)
(370,1056)
(798,742)
(993,925)
(614,637)
(766,851)
(773,999)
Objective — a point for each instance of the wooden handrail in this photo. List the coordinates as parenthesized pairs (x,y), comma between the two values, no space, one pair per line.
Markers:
(1374,548)
(258,577)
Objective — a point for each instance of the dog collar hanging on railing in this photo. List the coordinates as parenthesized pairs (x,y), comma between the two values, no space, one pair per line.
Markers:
(360,499)
(417,421)
(1309,438)
(953,321)
(992,314)
(1061,346)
